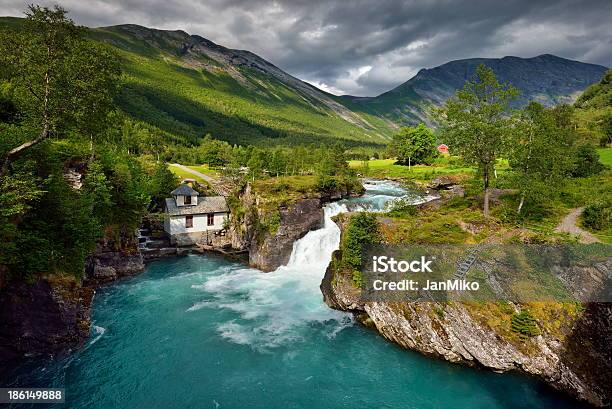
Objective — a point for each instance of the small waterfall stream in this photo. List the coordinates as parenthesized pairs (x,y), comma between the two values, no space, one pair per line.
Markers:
(312,253)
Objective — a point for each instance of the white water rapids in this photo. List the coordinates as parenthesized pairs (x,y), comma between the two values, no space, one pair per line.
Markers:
(275,307)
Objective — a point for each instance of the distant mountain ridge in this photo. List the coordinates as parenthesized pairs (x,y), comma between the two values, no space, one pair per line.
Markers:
(546,78)
(188,86)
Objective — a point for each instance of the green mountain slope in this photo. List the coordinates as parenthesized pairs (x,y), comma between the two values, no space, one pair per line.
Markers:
(594,111)
(547,79)
(189,86)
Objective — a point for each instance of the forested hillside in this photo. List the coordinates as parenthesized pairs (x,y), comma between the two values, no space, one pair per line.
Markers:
(594,111)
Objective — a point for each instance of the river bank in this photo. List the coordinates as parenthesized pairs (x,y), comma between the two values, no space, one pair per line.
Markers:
(204,331)
(52,314)
(288,298)
(569,351)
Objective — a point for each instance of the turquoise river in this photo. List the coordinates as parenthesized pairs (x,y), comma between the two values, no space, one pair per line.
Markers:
(204,332)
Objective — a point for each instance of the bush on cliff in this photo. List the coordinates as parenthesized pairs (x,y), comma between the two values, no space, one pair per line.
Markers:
(524,324)
(361,230)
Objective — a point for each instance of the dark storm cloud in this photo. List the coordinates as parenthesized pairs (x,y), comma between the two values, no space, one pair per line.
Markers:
(367,47)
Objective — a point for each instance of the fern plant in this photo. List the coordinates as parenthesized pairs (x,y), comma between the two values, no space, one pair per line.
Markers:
(524,324)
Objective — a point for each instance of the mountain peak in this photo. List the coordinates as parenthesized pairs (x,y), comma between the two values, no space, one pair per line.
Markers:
(546,78)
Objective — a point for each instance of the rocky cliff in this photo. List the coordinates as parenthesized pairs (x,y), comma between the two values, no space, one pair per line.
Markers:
(273,249)
(575,359)
(268,229)
(110,265)
(43,317)
(270,246)
(52,313)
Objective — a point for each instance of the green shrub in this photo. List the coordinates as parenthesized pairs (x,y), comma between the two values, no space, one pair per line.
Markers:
(586,161)
(402,207)
(281,187)
(357,278)
(524,324)
(362,229)
(597,216)
(326,184)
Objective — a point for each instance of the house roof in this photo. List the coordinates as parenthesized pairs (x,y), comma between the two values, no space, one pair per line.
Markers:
(206,204)
(184,190)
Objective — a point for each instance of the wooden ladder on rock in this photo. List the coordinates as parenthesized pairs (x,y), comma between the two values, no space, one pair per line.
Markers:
(467,262)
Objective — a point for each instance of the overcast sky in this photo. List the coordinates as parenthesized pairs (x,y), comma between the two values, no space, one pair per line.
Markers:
(370,46)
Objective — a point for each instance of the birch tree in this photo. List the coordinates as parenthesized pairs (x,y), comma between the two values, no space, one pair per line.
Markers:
(540,153)
(478,124)
(63,82)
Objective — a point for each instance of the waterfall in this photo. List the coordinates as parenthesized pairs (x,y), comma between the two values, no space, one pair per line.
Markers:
(313,252)
(277,307)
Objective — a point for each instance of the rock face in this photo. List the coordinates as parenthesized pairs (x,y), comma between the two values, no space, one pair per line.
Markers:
(53,313)
(114,259)
(111,265)
(579,364)
(270,250)
(43,317)
(274,250)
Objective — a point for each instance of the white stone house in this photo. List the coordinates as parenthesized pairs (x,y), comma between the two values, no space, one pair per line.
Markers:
(191,218)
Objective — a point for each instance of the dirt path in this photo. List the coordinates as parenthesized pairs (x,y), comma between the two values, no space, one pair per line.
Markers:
(207,178)
(219,184)
(568,225)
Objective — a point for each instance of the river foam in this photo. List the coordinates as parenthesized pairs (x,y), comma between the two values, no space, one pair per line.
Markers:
(277,307)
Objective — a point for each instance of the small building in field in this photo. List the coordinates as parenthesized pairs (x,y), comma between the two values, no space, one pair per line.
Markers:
(191,218)
(442,148)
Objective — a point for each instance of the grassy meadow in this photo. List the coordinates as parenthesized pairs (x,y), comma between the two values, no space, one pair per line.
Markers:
(605,156)
(388,168)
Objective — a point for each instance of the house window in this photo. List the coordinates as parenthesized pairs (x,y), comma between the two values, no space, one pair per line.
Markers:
(210,219)
(188,221)
(187,200)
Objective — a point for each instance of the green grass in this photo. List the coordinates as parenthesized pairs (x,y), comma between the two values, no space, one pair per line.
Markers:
(204,169)
(605,156)
(386,168)
(186,175)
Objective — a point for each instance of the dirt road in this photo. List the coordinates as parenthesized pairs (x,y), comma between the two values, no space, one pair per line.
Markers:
(569,225)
